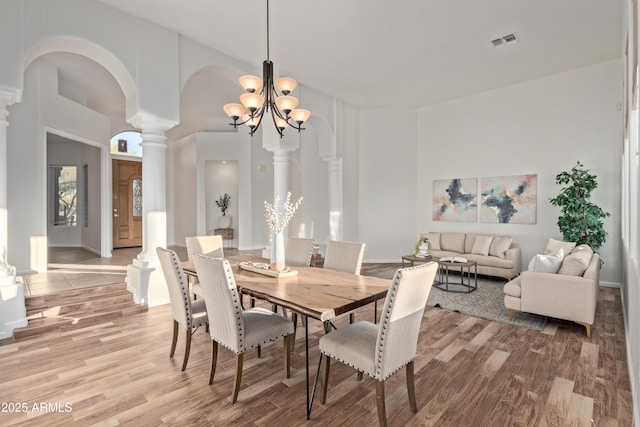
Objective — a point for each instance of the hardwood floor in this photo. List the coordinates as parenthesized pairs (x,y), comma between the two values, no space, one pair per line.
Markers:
(115,369)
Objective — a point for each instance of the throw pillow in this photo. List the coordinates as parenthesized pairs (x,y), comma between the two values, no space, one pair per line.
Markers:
(499,246)
(553,245)
(434,239)
(453,242)
(547,263)
(481,245)
(576,263)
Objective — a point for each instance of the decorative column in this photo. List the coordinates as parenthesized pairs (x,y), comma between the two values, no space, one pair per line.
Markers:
(13,312)
(144,277)
(335,197)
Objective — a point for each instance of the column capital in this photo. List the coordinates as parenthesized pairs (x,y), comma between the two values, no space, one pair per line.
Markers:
(10,96)
(149,123)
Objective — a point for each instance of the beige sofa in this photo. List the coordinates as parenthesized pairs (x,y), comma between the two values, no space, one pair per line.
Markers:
(496,256)
(570,294)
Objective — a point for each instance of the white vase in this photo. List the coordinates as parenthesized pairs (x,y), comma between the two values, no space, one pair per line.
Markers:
(277,252)
(224,221)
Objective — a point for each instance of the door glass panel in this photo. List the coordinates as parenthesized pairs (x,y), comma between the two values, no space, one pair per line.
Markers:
(137,197)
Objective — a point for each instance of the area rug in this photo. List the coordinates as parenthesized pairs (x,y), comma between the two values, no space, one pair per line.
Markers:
(486,302)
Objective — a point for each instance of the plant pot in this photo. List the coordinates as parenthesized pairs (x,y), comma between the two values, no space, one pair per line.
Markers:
(224,221)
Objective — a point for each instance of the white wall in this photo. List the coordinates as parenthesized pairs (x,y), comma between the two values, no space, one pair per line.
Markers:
(41,109)
(538,127)
(92,234)
(388,183)
(230,146)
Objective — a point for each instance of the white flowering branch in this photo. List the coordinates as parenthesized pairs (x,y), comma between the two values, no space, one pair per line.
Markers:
(277,220)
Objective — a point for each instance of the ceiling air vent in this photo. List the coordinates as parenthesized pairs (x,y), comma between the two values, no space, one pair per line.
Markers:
(504,40)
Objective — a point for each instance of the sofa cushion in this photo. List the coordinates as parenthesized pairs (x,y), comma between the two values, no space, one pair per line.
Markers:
(481,245)
(452,242)
(499,246)
(434,240)
(547,263)
(576,263)
(553,245)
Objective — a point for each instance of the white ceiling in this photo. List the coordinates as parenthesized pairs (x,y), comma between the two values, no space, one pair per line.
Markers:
(401,53)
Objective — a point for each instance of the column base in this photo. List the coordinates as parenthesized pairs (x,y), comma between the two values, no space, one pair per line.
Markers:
(145,281)
(13,311)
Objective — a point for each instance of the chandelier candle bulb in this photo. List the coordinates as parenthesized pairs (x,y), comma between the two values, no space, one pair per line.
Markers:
(252,101)
(300,115)
(235,111)
(251,83)
(286,85)
(286,103)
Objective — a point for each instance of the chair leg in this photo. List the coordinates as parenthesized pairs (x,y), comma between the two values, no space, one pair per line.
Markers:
(360,375)
(187,349)
(325,380)
(214,360)
(587,326)
(382,411)
(175,338)
(236,383)
(352,318)
(511,311)
(294,319)
(411,388)
(287,355)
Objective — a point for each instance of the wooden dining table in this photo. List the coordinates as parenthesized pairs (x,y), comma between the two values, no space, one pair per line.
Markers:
(315,293)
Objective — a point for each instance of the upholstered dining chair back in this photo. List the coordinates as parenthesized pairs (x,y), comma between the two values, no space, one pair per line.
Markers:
(298,251)
(344,256)
(381,350)
(233,327)
(177,286)
(186,313)
(401,318)
(207,245)
(225,312)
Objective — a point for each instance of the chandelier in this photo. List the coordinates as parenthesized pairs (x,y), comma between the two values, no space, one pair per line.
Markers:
(266,96)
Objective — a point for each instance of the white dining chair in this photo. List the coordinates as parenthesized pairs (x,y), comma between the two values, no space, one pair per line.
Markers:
(207,245)
(230,325)
(186,313)
(381,350)
(344,256)
(298,251)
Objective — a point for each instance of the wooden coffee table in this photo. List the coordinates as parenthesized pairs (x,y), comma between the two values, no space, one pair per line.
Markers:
(463,286)
(412,259)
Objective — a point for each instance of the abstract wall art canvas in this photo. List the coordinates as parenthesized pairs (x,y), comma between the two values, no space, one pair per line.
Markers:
(509,199)
(455,200)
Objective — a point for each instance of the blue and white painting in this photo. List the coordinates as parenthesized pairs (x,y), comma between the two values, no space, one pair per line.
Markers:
(455,200)
(509,199)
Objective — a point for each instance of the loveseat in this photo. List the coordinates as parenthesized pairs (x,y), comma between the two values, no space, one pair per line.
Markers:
(497,256)
(570,293)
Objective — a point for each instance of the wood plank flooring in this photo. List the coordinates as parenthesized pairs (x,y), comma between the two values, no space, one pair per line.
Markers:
(469,372)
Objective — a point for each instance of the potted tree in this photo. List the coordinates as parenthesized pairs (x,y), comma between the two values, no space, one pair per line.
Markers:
(223,204)
(580,220)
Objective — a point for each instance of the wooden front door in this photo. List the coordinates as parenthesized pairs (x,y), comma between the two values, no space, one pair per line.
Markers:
(127,203)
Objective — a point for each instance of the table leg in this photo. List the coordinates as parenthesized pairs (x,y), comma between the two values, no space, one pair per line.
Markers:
(306,355)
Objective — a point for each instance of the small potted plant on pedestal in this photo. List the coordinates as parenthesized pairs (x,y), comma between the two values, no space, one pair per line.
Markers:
(223,204)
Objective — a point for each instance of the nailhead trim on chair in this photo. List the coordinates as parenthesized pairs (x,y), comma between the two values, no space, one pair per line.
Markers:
(186,298)
(386,315)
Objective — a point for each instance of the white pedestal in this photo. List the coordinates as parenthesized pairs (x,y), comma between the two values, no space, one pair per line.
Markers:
(13,311)
(146,282)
